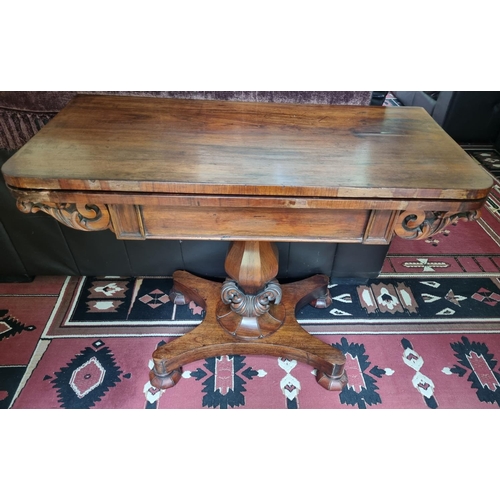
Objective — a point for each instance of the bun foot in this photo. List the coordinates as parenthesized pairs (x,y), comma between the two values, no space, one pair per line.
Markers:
(323,301)
(178,298)
(331,383)
(165,381)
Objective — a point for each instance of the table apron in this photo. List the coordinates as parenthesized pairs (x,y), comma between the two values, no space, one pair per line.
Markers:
(264,224)
(154,216)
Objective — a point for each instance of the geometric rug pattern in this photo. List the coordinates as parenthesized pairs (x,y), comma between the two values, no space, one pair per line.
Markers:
(425,334)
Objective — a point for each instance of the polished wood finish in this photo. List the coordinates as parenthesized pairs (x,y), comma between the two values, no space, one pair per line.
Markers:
(208,339)
(253,174)
(85,217)
(369,221)
(144,145)
(252,264)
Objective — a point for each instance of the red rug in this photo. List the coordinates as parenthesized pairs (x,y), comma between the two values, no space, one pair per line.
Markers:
(425,334)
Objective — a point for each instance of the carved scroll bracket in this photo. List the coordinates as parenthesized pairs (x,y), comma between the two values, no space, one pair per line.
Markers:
(77,216)
(421,225)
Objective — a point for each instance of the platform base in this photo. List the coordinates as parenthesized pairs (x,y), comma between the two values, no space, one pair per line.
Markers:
(209,339)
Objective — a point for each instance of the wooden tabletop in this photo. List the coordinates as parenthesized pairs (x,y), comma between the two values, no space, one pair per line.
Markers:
(148,145)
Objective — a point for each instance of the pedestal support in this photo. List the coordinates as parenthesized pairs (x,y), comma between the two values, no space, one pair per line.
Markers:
(270,330)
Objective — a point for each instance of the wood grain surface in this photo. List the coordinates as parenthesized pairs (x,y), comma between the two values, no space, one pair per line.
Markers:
(145,145)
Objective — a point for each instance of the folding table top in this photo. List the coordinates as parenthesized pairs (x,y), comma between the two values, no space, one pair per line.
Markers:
(177,146)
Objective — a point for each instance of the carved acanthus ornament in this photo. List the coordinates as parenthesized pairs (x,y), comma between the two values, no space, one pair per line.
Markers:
(421,225)
(78,216)
(250,305)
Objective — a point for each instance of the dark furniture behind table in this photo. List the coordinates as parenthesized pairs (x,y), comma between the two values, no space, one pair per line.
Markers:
(38,245)
(467,117)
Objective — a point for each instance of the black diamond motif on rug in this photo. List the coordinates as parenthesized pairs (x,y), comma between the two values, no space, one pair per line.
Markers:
(10,326)
(87,377)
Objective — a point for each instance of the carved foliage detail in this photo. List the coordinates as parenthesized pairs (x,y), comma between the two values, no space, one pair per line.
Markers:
(421,225)
(78,216)
(250,305)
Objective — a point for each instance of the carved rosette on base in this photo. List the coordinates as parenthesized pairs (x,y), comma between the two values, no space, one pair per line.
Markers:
(249,316)
(422,225)
(77,216)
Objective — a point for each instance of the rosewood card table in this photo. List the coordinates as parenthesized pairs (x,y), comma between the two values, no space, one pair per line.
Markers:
(253,174)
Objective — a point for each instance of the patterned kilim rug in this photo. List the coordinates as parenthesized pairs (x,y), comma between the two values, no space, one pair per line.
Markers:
(425,334)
